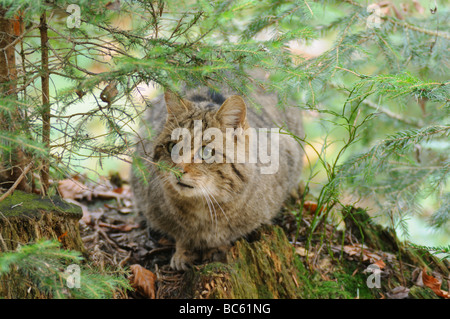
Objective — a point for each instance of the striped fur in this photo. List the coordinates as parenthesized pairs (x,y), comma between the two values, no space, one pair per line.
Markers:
(213,204)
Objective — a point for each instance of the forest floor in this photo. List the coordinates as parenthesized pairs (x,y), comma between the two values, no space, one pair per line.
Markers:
(338,263)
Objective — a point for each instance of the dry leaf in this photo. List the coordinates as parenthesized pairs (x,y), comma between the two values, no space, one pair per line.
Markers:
(71,188)
(380,263)
(434,284)
(143,280)
(367,255)
(303,252)
(310,206)
(398,293)
(109,93)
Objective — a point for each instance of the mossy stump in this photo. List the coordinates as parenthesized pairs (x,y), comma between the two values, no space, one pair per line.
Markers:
(262,267)
(265,265)
(26,218)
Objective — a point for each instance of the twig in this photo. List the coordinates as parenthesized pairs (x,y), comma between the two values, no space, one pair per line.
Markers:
(308,7)
(45,80)
(17,182)
(391,114)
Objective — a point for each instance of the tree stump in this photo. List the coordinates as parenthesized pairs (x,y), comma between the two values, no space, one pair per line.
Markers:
(26,218)
(266,265)
(261,267)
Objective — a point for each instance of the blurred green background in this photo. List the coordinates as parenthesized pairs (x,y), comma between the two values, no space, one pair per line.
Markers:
(318,130)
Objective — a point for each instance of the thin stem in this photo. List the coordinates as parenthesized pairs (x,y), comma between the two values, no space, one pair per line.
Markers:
(45,80)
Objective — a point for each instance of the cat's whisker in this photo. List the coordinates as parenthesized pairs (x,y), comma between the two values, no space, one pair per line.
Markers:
(212,196)
(209,204)
(171,127)
(214,209)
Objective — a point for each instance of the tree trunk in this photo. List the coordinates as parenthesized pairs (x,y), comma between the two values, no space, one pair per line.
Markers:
(13,159)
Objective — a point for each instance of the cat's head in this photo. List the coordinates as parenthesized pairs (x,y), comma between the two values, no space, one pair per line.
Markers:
(203,141)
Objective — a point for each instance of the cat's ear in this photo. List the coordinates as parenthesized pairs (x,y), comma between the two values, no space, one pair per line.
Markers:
(175,105)
(233,112)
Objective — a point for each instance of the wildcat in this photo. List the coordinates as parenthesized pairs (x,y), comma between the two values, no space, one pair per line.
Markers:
(212,204)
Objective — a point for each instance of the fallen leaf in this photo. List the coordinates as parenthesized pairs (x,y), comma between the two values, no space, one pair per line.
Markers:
(118,190)
(380,263)
(303,252)
(143,280)
(310,206)
(434,284)
(71,189)
(367,254)
(398,293)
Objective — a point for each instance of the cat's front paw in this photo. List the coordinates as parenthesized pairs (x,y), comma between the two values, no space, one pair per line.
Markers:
(181,260)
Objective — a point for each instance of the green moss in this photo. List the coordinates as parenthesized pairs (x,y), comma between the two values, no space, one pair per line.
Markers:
(268,267)
(213,268)
(21,204)
(352,286)
(417,292)
(342,284)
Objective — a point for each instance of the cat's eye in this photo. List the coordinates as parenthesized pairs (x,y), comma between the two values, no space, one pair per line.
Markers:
(206,153)
(170,146)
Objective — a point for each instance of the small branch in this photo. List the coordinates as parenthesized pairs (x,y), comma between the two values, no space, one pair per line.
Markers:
(45,79)
(309,7)
(391,114)
(17,182)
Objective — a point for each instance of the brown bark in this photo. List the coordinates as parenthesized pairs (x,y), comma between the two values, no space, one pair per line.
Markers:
(25,219)
(261,268)
(45,79)
(13,161)
(267,267)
